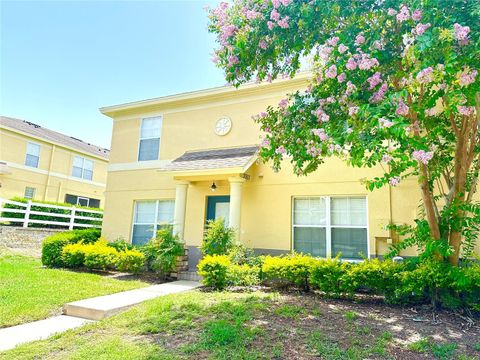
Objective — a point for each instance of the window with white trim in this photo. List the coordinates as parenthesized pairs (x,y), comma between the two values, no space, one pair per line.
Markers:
(150,133)
(149,217)
(32,157)
(82,168)
(29,193)
(325,226)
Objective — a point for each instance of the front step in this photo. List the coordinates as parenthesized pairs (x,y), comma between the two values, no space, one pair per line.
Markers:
(187,275)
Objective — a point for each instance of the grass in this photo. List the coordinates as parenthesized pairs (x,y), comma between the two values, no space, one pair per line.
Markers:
(30,292)
(229,325)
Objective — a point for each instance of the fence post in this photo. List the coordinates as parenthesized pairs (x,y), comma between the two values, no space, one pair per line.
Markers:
(27,213)
(72,218)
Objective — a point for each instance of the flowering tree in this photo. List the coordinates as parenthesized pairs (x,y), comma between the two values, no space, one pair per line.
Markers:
(392,85)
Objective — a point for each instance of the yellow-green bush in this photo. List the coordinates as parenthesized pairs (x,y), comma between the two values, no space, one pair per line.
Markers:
(243,275)
(130,261)
(100,256)
(214,269)
(328,275)
(73,255)
(288,270)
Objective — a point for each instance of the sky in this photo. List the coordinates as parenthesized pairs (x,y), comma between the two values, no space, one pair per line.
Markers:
(62,60)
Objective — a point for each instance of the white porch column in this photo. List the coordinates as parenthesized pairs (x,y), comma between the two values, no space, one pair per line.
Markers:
(180,207)
(235,205)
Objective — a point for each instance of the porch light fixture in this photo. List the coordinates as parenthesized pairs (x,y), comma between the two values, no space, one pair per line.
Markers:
(213,187)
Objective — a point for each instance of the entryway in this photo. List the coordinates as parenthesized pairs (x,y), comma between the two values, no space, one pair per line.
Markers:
(218,207)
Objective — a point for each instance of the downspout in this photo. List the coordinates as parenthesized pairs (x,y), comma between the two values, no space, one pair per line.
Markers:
(50,166)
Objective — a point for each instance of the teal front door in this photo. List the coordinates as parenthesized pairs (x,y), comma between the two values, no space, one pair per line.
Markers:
(218,207)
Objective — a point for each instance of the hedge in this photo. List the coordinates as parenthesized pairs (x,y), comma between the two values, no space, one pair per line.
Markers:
(52,211)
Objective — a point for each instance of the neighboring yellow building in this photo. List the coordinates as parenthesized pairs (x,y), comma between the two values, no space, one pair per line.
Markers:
(42,164)
(169,153)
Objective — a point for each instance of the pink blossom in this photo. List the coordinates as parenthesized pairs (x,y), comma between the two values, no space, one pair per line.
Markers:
(263,44)
(349,130)
(404,14)
(324,52)
(422,156)
(394,181)
(402,108)
(377,44)
(425,76)
(283,103)
(283,23)
(341,78)
(270,25)
(265,142)
(366,62)
(276,3)
(386,158)
(351,64)
(374,80)
(461,33)
(421,28)
(466,110)
(251,14)
(285,2)
(342,48)
(350,88)
(281,150)
(385,123)
(432,111)
(379,95)
(467,78)
(392,12)
(331,72)
(321,134)
(417,15)
(360,39)
(321,115)
(352,110)
(275,15)
(232,60)
(333,41)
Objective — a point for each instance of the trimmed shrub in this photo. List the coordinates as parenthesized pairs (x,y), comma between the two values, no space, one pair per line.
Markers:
(53,245)
(329,276)
(214,269)
(132,261)
(73,255)
(121,245)
(161,252)
(100,256)
(288,270)
(217,238)
(243,275)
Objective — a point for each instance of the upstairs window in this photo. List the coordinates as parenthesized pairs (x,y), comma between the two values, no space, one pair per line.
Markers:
(149,146)
(33,155)
(326,226)
(29,193)
(82,168)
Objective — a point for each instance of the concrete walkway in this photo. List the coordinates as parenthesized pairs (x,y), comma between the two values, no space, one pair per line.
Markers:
(82,312)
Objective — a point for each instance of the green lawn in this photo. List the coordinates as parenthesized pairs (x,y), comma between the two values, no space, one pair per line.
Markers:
(29,292)
(257,325)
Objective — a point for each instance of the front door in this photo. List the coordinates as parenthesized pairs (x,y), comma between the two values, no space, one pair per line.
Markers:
(218,207)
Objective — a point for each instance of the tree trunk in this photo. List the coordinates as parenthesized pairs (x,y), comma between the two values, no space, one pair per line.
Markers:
(429,205)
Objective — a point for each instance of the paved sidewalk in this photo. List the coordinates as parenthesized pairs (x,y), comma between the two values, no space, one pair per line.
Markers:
(37,330)
(82,312)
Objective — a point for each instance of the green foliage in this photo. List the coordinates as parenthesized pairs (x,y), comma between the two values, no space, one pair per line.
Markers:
(214,270)
(241,254)
(217,239)
(243,275)
(121,245)
(130,260)
(100,256)
(421,346)
(444,351)
(288,270)
(329,276)
(161,252)
(52,211)
(53,245)
(73,255)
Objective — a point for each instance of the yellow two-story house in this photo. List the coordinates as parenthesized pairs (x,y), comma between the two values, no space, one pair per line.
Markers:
(188,158)
(41,164)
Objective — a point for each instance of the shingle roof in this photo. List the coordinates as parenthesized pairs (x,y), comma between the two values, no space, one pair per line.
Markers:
(214,159)
(53,136)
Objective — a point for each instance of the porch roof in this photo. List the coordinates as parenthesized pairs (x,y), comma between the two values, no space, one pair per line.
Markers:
(237,159)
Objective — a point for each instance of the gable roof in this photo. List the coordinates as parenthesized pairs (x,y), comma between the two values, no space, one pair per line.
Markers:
(214,159)
(53,136)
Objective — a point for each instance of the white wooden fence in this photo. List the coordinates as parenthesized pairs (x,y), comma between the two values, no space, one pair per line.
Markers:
(70,218)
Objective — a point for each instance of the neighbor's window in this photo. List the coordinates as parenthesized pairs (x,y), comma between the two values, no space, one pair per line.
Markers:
(149,146)
(82,168)
(82,201)
(33,155)
(149,217)
(324,226)
(29,193)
